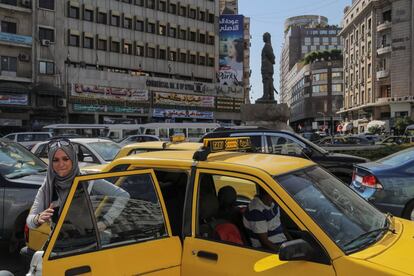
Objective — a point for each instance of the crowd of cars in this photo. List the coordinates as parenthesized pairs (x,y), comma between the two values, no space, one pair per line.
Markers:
(333,230)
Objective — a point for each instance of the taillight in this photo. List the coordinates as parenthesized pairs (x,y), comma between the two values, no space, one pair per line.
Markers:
(26,233)
(371,182)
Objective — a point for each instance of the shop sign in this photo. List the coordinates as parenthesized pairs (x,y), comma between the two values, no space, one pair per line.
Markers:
(107,108)
(11,122)
(176,113)
(183,99)
(14,100)
(95,91)
(15,38)
(195,86)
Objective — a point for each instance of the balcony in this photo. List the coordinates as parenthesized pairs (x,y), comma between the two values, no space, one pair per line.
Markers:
(16,40)
(382,73)
(384,26)
(384,49)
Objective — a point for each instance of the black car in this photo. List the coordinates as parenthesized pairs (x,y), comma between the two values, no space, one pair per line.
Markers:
(288,143)
(21,175)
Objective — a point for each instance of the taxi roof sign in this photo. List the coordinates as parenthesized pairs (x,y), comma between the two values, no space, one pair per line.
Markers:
(222,144)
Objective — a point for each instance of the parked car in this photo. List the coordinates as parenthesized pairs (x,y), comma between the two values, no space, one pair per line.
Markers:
(28,139)
(373,138)
(171,222)
(343,141)
(90,150)
(311,136)
(138,139)
(388,183)
(21,175)
(288,143)
(396,140)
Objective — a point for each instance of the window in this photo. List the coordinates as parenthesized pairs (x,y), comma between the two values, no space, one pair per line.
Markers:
(319,89)
(151,52)
(172,32)
(172,56)
(202,60)
(88,15)
(337,88)
(162,54)
(211,62)
(325,40)
(115,20)
(127,48)
(8,64)
(173,8)
(139,50)
(46,33)
(192,14)
(308,41)
(192,59)
(337,75)
(74,40)
(73,12)
(183,34)
(139,25)
(202,16)
(8,27)
(316,40)
(202,38)
(281,144)
(320,77)
(102,17)
(88,42)
(151,28)
(211,18)
(127,23)
(151,4)
(193,36)
(334,40)
(162,30)
(183,11)
(162,6)
(102,44)
(47,4)
(211,39)
(139,3)
(115,45)
(183,57)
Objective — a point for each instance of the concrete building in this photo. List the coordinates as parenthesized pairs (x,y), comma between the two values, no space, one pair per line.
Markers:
(310,101)
(378,62)
(229,6)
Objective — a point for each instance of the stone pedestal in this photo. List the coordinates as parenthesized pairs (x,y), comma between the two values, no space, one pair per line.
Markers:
(268,115)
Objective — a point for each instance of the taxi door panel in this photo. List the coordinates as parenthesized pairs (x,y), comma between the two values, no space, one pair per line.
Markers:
(113,224)
(207,256)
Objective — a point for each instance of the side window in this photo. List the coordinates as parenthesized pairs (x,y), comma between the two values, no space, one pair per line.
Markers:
(10,137)
(40,137)
(163,133)
(85,155)
(78,233)
(256,141)
(42,151)
(127,211)
(24,137)
(283,145)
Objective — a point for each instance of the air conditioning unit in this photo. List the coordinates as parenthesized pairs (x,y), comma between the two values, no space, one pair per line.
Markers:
(27,3)
(24,57)
(61,103)
(45,42)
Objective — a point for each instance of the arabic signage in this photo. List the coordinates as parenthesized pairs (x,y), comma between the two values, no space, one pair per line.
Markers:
(95,91)
(183,99)
(11,122)
(196,86)
(107,108)
(14,38)
(176,113)
(14,100)
(231,50)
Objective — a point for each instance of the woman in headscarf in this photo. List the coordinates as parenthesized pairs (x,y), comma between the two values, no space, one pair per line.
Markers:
(63,168)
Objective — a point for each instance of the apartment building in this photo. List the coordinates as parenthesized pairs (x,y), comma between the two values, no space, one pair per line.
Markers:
(378,62)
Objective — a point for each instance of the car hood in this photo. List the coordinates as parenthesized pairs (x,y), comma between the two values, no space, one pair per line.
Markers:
(398,255)
(347,158)
(33,179)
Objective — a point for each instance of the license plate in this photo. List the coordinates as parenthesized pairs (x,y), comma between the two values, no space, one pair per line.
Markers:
(358,179)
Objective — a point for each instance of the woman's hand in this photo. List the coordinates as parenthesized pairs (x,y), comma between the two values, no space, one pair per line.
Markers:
(45,216)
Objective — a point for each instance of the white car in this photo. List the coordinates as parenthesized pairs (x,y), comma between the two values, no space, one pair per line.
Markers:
(28,139)
(90,151)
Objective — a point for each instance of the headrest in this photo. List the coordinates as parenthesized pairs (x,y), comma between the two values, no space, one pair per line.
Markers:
(208,207)
(227,196)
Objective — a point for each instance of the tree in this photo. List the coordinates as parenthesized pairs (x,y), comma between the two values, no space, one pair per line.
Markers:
(401,124)
(375,129)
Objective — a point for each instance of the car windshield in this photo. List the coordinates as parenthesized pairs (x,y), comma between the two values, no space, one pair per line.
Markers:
(398,158)
(17,162)
(107,150)
(344,216)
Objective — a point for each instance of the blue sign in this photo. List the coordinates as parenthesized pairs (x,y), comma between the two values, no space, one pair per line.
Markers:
(177,113)
(14,38)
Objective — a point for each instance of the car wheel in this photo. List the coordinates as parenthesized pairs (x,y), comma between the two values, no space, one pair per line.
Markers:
(409,211)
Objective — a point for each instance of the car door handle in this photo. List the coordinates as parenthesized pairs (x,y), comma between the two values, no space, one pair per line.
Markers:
(78,270)
(207,255)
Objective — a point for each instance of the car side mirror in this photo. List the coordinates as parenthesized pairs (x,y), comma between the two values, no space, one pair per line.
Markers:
(88,159)
(307,152)
(296,250)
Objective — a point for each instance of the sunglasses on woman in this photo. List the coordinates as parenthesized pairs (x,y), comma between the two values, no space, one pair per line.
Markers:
(58,143)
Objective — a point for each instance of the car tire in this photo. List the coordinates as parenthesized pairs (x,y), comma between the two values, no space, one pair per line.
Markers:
(409,211)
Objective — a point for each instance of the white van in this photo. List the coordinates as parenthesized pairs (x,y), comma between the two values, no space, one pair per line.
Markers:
(28,139)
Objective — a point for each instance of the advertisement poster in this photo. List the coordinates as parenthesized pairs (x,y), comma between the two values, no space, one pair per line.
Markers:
(183,99)
(231,50)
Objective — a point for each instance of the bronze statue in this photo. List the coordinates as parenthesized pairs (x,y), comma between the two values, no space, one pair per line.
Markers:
(268,60)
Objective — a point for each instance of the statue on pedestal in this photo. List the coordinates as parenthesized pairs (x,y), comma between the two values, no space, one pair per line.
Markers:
(268,60)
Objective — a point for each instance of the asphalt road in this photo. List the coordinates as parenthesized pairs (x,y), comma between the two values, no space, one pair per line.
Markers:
(11,262)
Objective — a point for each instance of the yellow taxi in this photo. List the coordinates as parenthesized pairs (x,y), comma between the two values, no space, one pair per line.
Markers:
(165,221)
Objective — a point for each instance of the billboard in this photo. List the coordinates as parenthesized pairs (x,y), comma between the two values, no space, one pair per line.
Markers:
(231,50)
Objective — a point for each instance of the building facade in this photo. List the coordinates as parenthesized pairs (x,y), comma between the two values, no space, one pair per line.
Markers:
(312,91)
(378,62)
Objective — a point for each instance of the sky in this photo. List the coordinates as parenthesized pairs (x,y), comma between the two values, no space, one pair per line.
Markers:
(269,16)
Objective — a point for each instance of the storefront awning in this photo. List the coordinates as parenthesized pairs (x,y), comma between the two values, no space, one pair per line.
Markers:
(13,87)
(48,89)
